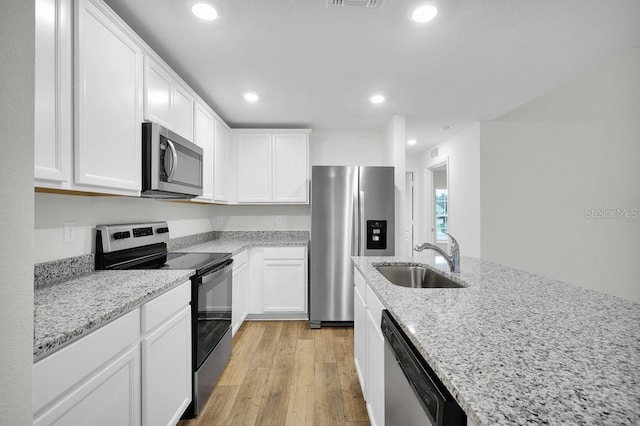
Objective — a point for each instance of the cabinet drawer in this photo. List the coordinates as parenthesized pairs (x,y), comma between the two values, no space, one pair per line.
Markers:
(284,252)
(164,306)
(55,374)
(239,259)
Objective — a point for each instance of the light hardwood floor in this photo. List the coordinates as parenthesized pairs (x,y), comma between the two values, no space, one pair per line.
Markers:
(284,373)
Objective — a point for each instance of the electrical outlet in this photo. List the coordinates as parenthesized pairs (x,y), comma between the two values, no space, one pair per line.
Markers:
(220,220)
(278,220)
(69,232)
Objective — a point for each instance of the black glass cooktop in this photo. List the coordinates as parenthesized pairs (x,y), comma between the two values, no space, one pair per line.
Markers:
(196,261)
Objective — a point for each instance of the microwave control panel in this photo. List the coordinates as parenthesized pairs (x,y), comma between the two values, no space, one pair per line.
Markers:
(376,234)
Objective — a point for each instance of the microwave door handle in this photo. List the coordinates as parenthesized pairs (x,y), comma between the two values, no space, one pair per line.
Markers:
(173,161)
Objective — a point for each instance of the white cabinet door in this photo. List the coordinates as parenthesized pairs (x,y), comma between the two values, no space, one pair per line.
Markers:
(95,380)
(284,283)
(375,351)
(221,164)
(53,91)
(109,397)
(254,167)
(240,293)
(158,92)
(166,356)
(166,373)
(182,116)
(204,134)
(166,101)
(108,107)
(360,346)
(284,287)
(290,168)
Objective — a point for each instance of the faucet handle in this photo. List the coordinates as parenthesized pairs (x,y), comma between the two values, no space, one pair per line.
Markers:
(454,242)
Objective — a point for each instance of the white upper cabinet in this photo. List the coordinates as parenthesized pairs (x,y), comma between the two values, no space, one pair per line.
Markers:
(204,134)
(108,103)
(254,167)
(290,168)
(53,93)
(273,167)
(166,101)
(221,160)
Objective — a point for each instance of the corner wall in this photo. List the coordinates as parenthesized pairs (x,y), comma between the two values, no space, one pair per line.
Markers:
(17,40)
(560,177)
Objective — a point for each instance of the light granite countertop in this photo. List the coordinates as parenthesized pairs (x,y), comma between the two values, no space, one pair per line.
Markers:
(515,348)
(235,243)
(66,311)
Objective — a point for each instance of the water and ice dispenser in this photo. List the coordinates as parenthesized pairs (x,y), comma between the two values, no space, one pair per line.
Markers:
(376,234)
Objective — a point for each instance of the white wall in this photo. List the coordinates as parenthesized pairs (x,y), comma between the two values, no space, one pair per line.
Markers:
(545,164)
(52,210)
(394,149)
(17,37)
(463,154)
(346,148)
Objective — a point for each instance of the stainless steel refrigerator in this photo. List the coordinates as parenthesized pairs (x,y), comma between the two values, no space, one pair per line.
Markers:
(352,214)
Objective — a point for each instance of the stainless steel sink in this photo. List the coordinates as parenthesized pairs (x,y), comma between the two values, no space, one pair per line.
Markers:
(416,277)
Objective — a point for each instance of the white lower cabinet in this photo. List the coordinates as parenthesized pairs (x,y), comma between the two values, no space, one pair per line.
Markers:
(166,357)
(240,291)
(375,340)
(278,283)
(95,380)
(360,340)
(117,375)
(369,348)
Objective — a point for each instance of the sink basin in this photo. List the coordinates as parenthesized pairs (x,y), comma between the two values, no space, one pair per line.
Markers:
(416,277)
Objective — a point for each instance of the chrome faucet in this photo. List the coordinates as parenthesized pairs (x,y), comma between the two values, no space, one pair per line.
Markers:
(453,260)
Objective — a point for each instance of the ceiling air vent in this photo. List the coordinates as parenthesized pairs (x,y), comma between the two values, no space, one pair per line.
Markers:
(369,4)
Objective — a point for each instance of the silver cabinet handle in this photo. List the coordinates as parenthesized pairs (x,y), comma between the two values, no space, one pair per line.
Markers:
(173,160)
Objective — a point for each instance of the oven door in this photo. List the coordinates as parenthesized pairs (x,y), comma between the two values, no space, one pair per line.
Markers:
(213,316)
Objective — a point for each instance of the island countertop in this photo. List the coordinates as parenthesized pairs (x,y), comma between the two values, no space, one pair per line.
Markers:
(515,348)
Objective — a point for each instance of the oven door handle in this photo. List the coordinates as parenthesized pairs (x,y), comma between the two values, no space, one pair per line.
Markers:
(217,271)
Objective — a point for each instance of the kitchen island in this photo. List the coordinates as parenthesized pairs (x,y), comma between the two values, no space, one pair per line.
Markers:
(517,348)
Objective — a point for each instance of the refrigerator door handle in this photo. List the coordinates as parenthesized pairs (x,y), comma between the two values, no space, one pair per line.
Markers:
(362,232)
(355,227)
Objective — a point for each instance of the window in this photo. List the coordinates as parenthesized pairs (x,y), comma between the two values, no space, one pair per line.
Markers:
(442,210)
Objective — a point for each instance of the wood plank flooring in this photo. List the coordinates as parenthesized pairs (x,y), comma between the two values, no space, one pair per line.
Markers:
(284,373)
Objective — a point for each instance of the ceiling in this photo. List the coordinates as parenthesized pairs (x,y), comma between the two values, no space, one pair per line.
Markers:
(315,66)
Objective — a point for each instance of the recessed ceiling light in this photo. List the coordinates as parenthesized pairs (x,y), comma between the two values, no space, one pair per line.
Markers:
(251,97)
(376,99)
(424,14)
(412,142)
(204,11)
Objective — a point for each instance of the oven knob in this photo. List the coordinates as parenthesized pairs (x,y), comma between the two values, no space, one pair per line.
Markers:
(121,235)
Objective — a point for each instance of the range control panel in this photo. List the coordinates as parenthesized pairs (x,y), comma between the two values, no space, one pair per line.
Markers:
(376,234)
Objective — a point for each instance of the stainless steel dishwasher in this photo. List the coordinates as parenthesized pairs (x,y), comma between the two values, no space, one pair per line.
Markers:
(413,393)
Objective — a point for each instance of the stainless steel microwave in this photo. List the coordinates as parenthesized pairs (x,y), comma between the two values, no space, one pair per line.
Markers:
(171,165)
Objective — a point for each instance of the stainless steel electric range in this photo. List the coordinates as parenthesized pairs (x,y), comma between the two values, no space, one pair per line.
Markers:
(144,246)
